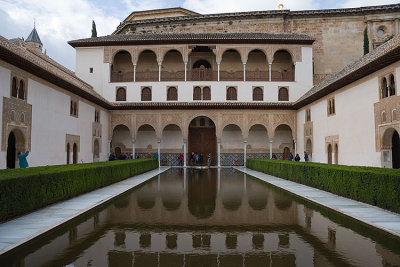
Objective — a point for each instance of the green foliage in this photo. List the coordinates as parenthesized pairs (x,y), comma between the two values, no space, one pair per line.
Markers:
(94,31)
(390,37)
(366,42)
(24,190)
(375,186)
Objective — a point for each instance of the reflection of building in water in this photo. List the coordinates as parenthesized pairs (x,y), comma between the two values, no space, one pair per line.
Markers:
(209,200)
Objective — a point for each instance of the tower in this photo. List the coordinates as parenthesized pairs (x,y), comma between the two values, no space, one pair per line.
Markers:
(33,40)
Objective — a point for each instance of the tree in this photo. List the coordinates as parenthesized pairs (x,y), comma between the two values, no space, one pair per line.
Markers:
(94,31)
(366,42)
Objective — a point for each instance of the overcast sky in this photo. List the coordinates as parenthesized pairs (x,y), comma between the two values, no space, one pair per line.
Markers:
(60,21)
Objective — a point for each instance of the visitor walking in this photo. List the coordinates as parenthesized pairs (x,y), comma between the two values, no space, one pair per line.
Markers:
(209,160)
(23,163)
(111,157)
(274,156)
(306,157)
(192,159)
(180,158)
(290,156)
(297,158)
(196,158)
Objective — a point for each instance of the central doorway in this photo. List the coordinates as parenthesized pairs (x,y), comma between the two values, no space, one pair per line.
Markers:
(11,151)
(396,150)
(202,138)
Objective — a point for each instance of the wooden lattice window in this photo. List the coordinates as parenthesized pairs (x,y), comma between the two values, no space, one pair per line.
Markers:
(392,90)
(21,90)
(14,89)
(283,94)
(121,94)
(331,106)
(172,94)
(384,88)
(146,94)
(258,94)
(206,93)
(197,93)
(231,93)
(308,114)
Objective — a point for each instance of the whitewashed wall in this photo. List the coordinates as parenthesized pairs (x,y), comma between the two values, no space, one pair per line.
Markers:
(51,121)
(354,122)
(5,78)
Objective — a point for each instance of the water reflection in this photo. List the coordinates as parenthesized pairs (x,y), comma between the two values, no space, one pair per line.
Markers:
(209,218)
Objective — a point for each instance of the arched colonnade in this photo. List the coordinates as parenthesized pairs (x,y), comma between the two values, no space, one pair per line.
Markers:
(229,138)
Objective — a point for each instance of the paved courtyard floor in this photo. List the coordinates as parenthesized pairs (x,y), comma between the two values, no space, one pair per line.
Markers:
(22,229)
(371,215)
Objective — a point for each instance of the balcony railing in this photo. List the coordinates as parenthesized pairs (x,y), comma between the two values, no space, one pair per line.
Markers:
(257,76)
(202,75)
(231,75)
(117,76)
(282,76)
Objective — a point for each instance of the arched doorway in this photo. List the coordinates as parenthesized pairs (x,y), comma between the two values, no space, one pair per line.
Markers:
(396,150)
(171,145)
(96,150)
(286,152)
(329,154)
(203,138)
(11,151)
(232,146)
(75,153)
(122,140)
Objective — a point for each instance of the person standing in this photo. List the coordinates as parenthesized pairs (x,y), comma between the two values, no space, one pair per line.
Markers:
(297,158)
(180,158)
(290,156)
(23,163)
(209,160)
(305,157)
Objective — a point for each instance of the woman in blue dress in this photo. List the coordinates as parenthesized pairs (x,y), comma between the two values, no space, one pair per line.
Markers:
(23,163)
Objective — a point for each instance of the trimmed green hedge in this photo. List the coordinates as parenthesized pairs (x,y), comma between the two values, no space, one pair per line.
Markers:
(375,186)
(24,190)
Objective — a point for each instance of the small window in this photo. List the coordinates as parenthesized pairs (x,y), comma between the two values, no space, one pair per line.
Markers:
(90,70)
(73,110)
(384,88)
(258,94)
(97,116)
(231,93)
(14,89)
(21,90)
(392,87)
(197,93)
(121,94)
(146,94)
(381,32)
(283,94)
(331,107)
(308,114)
(383,116)
(172,94)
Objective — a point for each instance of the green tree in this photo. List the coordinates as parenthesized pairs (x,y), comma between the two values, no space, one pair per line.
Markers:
(366,42)
(94,31)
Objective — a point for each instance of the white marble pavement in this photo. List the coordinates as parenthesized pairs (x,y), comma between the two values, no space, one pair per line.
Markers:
(22,229)
(371,215)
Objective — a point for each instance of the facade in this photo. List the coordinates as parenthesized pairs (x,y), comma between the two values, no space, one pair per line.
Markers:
(232,86)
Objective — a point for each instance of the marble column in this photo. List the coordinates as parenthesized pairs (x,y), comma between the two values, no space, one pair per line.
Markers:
(134,72)
(244,72)
(159,72)
(219,153)
(159,152)
(185,71)
(270,149)
(184,153)
(218,69)
(244,153)
(270,72)
(133,149)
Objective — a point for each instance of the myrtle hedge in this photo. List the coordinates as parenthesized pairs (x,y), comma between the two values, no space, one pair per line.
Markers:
(24,190)
(375,186)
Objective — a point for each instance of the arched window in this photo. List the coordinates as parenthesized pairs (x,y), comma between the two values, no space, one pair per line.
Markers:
(394,115)
(75,153)
(71,109)
(206,93)
(68,152)
(172,94)
(21,90)
(197,93)
(383,116)
(121,94)
(75,109)
(231,93)
(384,88)
(258,94)
(146,94)
(14,89)
(283,94)
(392,86)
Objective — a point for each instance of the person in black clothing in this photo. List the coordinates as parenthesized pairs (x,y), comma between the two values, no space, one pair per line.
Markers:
(297,158)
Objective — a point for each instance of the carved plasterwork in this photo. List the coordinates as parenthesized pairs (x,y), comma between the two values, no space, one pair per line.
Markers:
(71,140)
(308,134)
(387,116)
(121,119)
(16,116)
(331,140)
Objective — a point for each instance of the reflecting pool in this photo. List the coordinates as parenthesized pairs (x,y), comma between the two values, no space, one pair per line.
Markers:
(209,218)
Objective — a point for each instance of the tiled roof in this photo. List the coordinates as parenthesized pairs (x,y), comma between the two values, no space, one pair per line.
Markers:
(194,37)
(15,52)
(379,58)
(261,14)
(202,105)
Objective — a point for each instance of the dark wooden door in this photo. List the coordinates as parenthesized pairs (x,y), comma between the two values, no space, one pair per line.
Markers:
(396,150)
(204,142)
(286,152)
(11,151)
